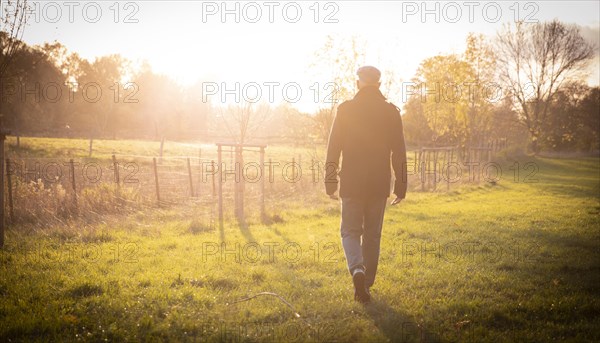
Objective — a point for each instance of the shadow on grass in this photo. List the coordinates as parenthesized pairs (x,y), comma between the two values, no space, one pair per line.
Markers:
(221,232)
(245,230)
(560,257)
(574,178)
(395,325)
(401,327)
(272,221)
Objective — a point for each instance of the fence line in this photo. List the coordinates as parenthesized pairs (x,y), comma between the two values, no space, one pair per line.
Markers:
(202,180)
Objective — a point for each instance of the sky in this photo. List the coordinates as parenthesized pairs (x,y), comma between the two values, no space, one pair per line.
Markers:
(274,43)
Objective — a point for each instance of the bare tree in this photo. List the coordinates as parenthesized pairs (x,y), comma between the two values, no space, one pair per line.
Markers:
(13,18)
(13,21)
(340,58)
(534,61)
(11,30)
(243,120)
(388,77)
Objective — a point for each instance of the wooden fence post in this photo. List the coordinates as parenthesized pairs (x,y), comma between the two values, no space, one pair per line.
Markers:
(262,184)
(271,176)
(91,147)
(428,159)
(416,160)
(73,185)
(263,213)
(117,177)
(236,184)
(200,169)
(162,143)
(449,160)
(116,170)
(435,161)
(480,159)
(422,169)
(3,133)
(156,181)
(293,168)
(299,169)
(313,175)
(240,181)
(220,183)
(212,172)
(189,167)
(11,211)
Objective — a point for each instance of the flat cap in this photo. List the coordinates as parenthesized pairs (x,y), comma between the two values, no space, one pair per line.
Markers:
(368,74)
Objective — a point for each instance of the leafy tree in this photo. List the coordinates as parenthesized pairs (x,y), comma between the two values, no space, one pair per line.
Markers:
(12,26)
(33,94)
(452,91)
(440,81)
(416,128)
(572,119)
(159,101)
(482,61)
(195,113)
(589,106)
(505,124)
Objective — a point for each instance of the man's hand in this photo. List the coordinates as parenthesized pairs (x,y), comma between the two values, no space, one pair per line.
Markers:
(333,196)
(396,201)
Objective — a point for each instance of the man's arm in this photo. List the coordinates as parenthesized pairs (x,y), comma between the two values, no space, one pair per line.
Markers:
(334,149)
(399,156)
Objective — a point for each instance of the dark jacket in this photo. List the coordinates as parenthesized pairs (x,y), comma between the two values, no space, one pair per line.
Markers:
(365,131)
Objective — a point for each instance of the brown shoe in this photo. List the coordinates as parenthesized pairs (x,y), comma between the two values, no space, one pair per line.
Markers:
(360,291)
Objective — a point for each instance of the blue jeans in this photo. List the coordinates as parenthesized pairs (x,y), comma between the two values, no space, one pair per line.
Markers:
(362,220)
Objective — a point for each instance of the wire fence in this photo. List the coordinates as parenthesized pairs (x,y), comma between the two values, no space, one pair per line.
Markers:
(40,190)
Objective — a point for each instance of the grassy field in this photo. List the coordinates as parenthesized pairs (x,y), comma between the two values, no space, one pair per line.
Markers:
(103,149)
(513,261)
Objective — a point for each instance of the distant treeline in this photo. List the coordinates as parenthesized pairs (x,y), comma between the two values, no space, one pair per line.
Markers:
(456,99)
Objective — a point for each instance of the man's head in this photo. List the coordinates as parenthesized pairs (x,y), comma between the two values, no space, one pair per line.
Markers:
(368,76)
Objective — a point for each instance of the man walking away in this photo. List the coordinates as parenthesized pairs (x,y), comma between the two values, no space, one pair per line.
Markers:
(366,130)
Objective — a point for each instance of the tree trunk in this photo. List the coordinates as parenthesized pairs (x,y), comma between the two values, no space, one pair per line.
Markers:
(534,146)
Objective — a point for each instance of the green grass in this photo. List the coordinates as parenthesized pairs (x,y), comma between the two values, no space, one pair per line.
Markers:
(515,261)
